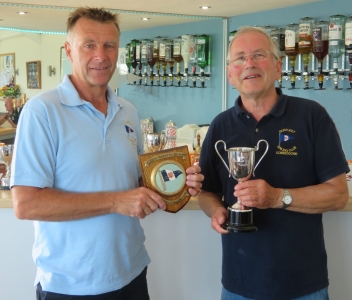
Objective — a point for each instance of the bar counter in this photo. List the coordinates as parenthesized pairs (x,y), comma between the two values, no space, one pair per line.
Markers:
(7,133)
(6,202)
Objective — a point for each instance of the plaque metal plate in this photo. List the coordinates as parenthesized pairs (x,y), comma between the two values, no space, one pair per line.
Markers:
(164,172)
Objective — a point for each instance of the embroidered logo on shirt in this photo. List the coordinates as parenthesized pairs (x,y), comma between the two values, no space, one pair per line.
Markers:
(286,142)
(131,135)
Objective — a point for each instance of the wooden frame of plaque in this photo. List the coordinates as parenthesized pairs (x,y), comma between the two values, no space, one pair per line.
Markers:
(164,172)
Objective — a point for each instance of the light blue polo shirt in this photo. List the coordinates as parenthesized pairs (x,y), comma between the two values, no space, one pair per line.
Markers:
(63,142)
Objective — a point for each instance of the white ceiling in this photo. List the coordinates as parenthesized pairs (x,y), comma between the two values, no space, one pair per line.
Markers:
(44,15)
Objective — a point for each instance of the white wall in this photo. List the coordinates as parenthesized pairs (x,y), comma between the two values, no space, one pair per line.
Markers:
(185,253)
(27,49)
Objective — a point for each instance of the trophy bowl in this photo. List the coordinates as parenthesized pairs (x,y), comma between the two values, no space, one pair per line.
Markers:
(241,167)
(6,152)
(156,141)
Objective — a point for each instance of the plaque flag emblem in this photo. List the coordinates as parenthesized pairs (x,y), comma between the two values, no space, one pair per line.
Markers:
(170,175)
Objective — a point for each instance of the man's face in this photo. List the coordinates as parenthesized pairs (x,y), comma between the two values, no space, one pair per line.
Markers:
(8,104)
(92,48)
(252,78)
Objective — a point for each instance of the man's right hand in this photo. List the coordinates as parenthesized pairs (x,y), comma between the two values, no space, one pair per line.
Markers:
(139,203)
(218,218)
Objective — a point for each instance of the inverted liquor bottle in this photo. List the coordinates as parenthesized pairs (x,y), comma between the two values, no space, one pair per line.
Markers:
(305,45)
(150,59)
(336,43)
(138,59)
(169,58)
(185,52)
(279,35)
(203,55)
(128,56)
(269,28)
(144,59)
(156,51)
(348,45)
(320,47)
(231,35)
(178,57)
(291,48)
(193,59)
(133,58)
(162,45)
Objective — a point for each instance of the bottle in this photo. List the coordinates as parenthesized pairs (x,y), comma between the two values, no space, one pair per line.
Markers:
(269,28)
(231,35)
(133,58)
(320,46)
(203,51)
(162,46)
(14,115)
(348,39)
(291,42)
(138,58)
(144,59)
(169,54)
(193,53)
(150,59)
(305,44)
(177,41)
(279,35)
(336,38)
(185,52)
(156,44)
(128,56)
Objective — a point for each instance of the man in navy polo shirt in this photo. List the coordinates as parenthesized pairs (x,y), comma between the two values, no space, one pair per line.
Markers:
(301,176)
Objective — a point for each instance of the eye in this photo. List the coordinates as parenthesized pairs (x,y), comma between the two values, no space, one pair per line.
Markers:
(259,55)
(240,59)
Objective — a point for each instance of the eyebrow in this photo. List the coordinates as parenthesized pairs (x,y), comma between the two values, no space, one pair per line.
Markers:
(243,52)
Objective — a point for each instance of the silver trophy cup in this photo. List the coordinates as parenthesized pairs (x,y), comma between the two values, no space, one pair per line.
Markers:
(156,141)
(6,154)
(241,167)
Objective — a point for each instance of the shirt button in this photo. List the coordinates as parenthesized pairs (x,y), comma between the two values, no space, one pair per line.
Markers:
(248,117)
(256,130)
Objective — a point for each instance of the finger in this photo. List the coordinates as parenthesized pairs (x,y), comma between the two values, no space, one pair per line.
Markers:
(157,199)
(193,169)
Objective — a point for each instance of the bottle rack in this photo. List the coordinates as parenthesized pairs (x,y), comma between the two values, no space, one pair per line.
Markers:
(336,76)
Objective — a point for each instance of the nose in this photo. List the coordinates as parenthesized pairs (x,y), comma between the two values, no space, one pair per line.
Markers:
(100,53)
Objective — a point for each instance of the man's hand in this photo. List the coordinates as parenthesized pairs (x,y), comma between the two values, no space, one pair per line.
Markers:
(139,203)
(258,193)
(194,179)
(218,218)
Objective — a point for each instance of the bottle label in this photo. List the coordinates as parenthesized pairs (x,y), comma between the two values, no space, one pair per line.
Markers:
(162,50)
(168,51)
(177,48)
(144,49)
(333,43)
(156,44)
(335,32)
(200,41)
(290,39)
(317,38)
(138,52)
(348,34)
(304,30)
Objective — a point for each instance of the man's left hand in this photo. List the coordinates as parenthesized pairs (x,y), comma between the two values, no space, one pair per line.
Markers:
(194,180)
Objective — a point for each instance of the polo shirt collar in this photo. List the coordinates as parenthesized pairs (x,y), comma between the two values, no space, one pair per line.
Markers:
(276,111)
(70,97)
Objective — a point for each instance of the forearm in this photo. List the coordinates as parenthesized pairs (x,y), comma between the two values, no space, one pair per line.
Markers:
(209,202)
(53,205)
(328,196)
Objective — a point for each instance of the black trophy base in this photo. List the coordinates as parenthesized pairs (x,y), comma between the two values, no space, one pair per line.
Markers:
(239,221)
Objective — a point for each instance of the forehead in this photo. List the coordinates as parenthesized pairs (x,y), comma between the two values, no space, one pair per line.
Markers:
(249,42)
(87,29)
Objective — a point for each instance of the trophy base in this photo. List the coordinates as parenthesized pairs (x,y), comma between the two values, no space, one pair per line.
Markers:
(239,221)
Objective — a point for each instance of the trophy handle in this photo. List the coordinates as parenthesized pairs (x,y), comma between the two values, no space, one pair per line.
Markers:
(162,146)
(256,149)
(216,149)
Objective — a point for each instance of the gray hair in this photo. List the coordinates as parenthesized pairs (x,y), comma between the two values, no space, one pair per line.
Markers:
(274,47)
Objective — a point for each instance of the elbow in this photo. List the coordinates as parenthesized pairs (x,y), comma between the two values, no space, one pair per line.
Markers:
(343,200)
(20,210)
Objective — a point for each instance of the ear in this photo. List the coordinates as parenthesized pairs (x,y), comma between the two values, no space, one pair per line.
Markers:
(68,51)
(278,69)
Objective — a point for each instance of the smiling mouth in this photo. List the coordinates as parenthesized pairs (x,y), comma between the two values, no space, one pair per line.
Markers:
(252,76)
(100,69)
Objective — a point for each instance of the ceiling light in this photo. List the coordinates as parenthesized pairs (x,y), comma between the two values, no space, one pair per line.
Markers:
(204,7)
(22,12)
(145,19)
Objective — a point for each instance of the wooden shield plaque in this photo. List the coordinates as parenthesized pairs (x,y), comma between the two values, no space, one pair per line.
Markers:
(164,172)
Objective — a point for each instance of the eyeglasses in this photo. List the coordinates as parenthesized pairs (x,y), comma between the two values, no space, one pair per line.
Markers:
(259,55)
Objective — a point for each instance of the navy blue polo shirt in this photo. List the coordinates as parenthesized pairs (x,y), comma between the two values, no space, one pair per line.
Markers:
(286,257)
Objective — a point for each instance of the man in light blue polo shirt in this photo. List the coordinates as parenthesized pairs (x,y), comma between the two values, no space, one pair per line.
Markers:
(76,174)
